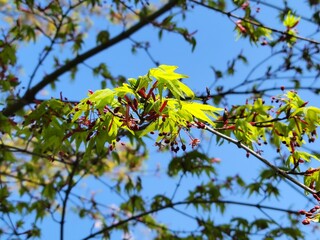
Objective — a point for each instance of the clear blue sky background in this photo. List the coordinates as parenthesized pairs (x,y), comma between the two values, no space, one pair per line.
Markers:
(216,45)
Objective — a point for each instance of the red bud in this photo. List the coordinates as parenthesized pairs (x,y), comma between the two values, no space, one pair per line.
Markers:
(302,212)
(306,222)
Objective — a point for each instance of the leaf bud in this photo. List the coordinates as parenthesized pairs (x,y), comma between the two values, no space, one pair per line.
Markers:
(110,147)
(316,197)
(116,109)
(304,104)
(306,221)
(313,210)
(302,212)
(245,5)
(309,214)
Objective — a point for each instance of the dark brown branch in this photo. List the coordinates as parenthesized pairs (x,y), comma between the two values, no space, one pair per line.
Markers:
(25,151)
(229,14)
(282,10)
(265,161)
(195,201)
(48,49)
(10,175)
(30,93)
(254,91)
(71,184)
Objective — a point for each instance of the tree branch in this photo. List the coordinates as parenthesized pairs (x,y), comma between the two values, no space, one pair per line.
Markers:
(48,49)
(195,201)
(229,14)
(30,93)
(265,161)
(67,193)
(254,91)
(282,10)
(26,151)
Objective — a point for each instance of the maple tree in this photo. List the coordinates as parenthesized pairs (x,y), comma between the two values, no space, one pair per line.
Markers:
(49,148)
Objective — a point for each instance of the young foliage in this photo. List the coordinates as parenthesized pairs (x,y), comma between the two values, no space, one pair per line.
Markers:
(290,22)
(140,107)
(59,156)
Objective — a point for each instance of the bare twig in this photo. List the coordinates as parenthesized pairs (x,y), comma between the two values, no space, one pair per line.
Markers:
(255,91)
(265,161)
(46,51)
(281,9)
(195,201)
(32,153)
(229,14)
(71,184)
(177,186)
(29,96)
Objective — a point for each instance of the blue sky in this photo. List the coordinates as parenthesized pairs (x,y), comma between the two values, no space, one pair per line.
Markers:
(216,44)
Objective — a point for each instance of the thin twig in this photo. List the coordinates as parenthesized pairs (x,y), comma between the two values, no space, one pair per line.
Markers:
(254,91)
(265,161)
(281,9)
(65,200)
(172,205)
(229,14)
(177,186)
(29,96)
(46,51)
